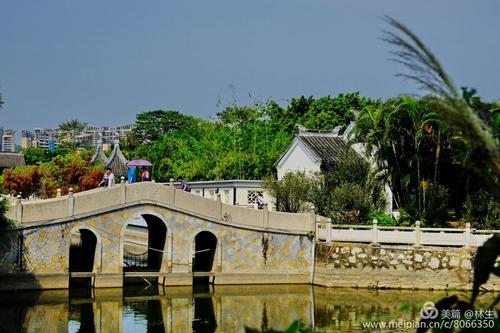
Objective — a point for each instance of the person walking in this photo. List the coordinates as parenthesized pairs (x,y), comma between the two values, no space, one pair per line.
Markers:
(111,178)
(184,185)
(144,175)
(131,174)
(260,200)
(105,179)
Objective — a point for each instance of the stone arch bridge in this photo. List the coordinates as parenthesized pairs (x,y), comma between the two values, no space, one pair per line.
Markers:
(83,235)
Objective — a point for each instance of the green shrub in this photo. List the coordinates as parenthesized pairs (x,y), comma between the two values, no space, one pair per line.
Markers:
(291,192)
(384,219)
(350,203)
(4,221)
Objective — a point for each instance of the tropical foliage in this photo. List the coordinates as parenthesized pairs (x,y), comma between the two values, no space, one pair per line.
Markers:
(34,156)
(43,180)
(72,134)
(439,152)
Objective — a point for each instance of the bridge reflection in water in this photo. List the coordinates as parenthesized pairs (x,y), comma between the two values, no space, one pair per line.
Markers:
(212,309)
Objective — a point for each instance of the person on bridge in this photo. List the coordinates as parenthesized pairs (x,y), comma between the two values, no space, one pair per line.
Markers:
(144,175)
(105,179)
(184,185)
(260,200)
(108,180)
(111,178)
(131,174)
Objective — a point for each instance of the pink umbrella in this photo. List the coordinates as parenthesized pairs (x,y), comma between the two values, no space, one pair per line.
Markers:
(139,163)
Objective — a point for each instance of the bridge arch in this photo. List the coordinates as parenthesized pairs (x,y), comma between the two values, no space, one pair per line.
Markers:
(204,247)
(83,249)
(155,255)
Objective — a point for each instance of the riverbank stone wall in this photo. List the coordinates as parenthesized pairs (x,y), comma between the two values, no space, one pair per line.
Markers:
(376,266)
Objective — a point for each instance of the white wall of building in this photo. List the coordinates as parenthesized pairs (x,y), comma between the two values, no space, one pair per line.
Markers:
(245,196)
(297,159)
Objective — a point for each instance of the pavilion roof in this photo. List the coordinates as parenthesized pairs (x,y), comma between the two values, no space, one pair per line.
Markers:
(99,156)
(117,162)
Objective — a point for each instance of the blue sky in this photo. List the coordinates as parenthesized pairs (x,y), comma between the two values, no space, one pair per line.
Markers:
(104,61)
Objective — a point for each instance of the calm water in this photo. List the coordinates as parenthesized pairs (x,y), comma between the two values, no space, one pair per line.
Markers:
(204,309)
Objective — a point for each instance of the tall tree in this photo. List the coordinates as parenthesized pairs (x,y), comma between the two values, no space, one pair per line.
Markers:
(72,132)
(323,113)
(151,125)
(424,69)
(406,135)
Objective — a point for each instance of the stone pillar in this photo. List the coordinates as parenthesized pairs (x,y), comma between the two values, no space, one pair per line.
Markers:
(123,198)
(329,232)
(467,235)
(71,202)
(172,191)
(316,231)
(312,218)
(265,216)
(19,209)
(418,233)
(58,195)
(375,232)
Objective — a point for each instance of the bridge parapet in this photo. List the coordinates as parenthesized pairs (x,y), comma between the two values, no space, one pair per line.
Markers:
(123,194)
(416,236)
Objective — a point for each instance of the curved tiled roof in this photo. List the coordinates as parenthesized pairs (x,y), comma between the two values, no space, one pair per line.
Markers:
(327,149)
(117,162)
(99,156)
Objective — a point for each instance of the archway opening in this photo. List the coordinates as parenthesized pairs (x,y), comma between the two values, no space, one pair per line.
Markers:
(143,244)
(205,246)
(82,250)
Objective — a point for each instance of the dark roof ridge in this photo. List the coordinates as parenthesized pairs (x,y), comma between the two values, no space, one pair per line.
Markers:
(117,162)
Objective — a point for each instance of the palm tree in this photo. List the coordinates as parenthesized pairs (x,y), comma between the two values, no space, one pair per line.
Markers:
(424,69)
(72,131)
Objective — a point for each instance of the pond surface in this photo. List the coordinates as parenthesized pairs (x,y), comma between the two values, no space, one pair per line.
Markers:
(205,308)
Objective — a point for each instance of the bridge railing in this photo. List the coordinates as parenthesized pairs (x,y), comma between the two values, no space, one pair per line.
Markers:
(416,235)
(101,199)
(244,216)
(84,202)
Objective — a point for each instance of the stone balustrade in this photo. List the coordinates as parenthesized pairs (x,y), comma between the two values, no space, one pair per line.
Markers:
(123,195)
(416,235)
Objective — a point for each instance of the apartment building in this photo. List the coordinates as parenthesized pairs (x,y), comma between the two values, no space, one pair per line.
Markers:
(94,136)
(7,140)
